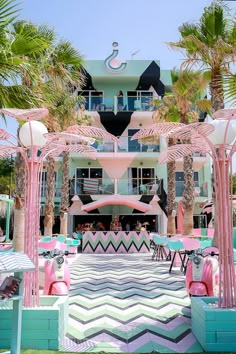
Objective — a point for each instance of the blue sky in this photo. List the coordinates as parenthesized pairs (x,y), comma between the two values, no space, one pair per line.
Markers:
(137,25)
(92,25)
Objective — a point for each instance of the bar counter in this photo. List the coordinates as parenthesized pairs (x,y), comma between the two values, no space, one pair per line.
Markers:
(116,242)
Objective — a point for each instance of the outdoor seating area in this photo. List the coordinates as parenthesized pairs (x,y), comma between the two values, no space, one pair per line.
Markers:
(179,248)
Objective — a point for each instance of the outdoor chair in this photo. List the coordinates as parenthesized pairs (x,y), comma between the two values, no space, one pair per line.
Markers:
(61,238)
(206,243)
(176,246)
(159,247)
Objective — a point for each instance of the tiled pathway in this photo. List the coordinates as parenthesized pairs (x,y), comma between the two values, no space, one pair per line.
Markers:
(128,303)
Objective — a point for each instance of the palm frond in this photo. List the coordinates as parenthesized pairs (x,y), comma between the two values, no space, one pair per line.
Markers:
(229,84)
(179,151)
(8,12)
(18,96)
(204,105)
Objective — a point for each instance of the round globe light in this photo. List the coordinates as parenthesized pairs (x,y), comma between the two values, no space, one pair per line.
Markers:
(34,129)
(218,136)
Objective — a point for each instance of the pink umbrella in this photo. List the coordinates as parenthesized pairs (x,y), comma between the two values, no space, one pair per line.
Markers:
(180,218)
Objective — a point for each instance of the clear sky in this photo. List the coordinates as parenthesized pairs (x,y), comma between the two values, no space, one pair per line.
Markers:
(92,25)
(137,25)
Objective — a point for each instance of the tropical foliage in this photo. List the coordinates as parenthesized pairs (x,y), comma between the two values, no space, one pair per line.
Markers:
(183,105)
(210,44)
(6,176)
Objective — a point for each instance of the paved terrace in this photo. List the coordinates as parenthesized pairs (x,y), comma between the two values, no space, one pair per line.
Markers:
(128,303)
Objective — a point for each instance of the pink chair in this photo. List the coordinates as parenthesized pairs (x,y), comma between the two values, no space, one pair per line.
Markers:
(210,232)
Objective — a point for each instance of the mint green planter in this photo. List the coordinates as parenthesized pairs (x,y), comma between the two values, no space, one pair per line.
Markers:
(214,328)
(42,328)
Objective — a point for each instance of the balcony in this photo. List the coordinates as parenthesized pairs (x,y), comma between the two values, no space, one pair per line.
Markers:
(126,145)
(106,186)
(107,103)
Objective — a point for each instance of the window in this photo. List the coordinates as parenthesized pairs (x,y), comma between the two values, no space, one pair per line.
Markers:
(179,182)
(140,178)
(88,180)
(179,176)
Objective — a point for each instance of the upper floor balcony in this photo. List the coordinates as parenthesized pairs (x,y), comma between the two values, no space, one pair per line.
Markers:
(115,104)
(125,145)
(130,186)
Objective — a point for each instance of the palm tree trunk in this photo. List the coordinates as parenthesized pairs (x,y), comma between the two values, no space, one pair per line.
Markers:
(188,195)
(64,195)
(216,90)
(49,200)
(217,97)
(19,210)
(171,229)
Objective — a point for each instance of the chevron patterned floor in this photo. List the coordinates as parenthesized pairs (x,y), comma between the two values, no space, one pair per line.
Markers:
(128,303)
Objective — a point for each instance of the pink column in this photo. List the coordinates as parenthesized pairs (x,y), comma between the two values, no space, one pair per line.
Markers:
(225,228)
(32,210)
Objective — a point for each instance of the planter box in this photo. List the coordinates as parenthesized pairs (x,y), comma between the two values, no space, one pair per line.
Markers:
(43,327)
(214,328)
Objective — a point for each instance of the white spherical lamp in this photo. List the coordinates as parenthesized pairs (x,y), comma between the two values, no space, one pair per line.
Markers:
(218,137)
(32,134)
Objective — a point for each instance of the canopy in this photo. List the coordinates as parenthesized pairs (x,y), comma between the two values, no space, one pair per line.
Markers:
(117,200)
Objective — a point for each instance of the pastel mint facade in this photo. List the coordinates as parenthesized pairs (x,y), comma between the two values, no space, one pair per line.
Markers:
(129,169)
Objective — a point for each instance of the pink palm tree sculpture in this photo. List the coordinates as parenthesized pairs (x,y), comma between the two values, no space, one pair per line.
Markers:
(35,144)
(218,140)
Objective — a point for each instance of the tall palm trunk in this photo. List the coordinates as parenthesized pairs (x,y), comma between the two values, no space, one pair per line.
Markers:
(216,90)
(64,195)
(171,228)
(188,195)
(217,96)
(49,200)
(19,210)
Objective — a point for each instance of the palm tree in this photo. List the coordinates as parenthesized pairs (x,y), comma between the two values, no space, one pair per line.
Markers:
(64,112)
(163,114)
(210,44)
(56,66)
(12,94)
(188,86)
(178,107)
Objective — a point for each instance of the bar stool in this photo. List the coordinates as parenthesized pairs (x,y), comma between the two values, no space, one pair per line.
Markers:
(159,247)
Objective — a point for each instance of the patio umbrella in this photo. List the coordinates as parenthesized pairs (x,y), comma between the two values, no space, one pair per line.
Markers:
(180,218)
